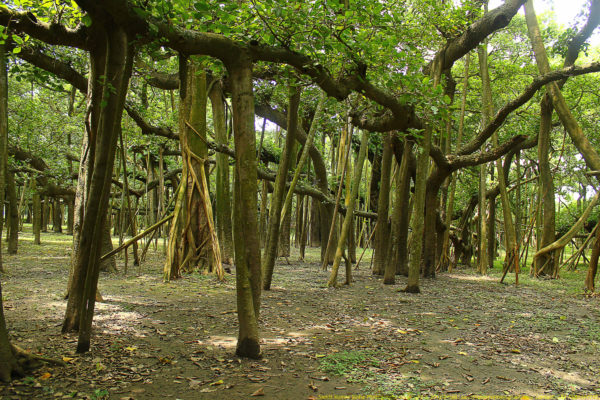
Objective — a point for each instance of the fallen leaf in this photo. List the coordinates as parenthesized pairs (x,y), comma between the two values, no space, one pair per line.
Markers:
(67,359)
(312,386)
(46,375)
(131,348)
(259,392)
(216,383)
(516,351)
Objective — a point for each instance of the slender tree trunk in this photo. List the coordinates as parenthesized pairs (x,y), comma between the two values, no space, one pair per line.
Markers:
(381,262)
(130,211)
(285,221)
(78,270)
(37,212)
(13,214)
(223,192)
(4,344)
(418,217)
(119,62)
(401,214)
(273,233)
(349,211)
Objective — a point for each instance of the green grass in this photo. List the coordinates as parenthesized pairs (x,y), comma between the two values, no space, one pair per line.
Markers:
(346,362)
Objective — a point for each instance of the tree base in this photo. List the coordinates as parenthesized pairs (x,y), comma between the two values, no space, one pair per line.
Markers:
(248,348)
(411,289)
(21,362)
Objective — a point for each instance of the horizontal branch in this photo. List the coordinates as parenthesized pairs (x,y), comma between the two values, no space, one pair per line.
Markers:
(527,94)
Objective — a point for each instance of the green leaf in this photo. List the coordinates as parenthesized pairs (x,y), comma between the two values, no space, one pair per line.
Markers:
(16,50)
(87,20)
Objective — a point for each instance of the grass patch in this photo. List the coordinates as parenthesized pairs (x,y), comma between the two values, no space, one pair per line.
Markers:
(347,362)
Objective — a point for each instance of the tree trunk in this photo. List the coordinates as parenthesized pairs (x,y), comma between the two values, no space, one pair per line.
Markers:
(246,239)
(593,266)
(349,211)
(279,189)
(382,233)
(401,214)
(56,216)
(37,212)
(78,270)
(45,213)
(418,217)
(285,221)
(546,190)
(9,365)
(223,192)
(119,60)
(315,223)
(3,172)
(13,213)
(192,241)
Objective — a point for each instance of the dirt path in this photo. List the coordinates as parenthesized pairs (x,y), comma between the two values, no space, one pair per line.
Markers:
(463,335)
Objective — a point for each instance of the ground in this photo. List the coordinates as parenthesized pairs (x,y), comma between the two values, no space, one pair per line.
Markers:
(464,335)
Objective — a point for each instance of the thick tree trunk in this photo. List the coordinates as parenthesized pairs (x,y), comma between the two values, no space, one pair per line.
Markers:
(546,190)
(246,239)
(9,365)
(193,242)
(593,266)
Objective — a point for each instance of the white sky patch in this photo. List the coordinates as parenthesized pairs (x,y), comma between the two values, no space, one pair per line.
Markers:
(565,12)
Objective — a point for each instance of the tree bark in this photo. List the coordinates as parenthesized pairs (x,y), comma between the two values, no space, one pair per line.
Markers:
(246,239)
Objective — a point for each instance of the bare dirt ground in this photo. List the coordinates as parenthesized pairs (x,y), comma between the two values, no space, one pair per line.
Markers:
(464,336)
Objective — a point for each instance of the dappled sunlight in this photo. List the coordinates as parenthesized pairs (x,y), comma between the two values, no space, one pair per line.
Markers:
(472,278)
(227,342)
(571,377)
